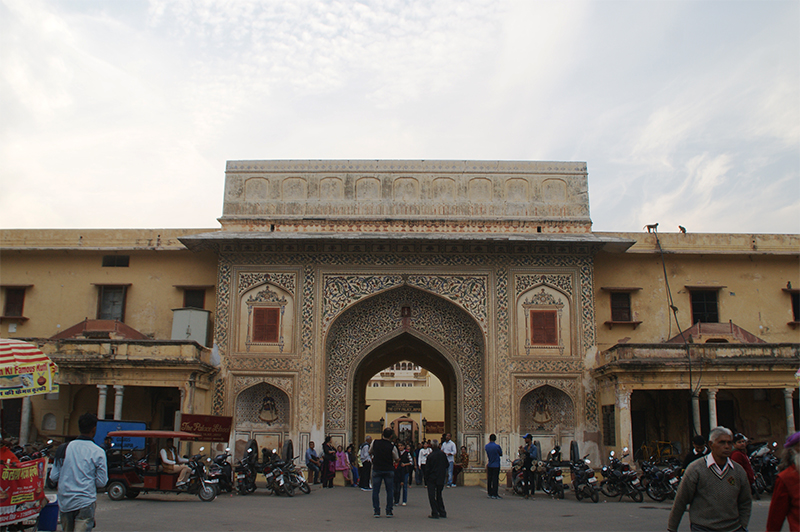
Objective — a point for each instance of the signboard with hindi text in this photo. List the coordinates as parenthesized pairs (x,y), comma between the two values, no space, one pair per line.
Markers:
(210,428)
(22,490)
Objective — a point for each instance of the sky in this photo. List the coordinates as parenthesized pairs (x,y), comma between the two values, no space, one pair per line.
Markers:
(122,114)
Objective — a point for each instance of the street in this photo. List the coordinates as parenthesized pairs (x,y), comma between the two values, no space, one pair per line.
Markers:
(468,508)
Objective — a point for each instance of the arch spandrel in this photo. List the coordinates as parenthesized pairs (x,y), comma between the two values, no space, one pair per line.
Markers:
(360,329)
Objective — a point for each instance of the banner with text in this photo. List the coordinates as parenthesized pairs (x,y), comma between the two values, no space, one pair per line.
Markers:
(210,428)
(21,490)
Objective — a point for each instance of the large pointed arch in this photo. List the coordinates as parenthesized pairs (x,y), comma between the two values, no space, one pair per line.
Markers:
(373,333)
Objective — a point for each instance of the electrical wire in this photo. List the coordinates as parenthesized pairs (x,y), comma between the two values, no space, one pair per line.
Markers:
(674,310)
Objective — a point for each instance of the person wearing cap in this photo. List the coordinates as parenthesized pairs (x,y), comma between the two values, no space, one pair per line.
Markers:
(530,457)
(739,455)
(785,503)
(715,489)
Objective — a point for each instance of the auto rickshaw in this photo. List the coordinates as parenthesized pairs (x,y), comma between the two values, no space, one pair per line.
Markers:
(128,478)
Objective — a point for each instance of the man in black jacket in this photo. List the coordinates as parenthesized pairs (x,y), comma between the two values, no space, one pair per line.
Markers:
(435,475)
(384,457)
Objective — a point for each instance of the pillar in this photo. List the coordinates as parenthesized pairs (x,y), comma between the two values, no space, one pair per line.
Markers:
(25,421)
(119,392)
(787,401)
(102,395)
(625,432)
(712,407)
(696,413)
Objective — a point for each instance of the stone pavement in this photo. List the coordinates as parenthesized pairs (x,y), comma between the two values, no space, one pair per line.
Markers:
(468,508)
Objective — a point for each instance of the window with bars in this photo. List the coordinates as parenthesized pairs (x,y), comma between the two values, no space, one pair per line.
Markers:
(544,327)
(15,301)
(704,306)
(609,426)
(620,306)
(266,324)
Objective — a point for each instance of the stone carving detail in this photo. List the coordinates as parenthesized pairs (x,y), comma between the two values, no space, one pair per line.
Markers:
(501,262)
(266,296)
(525,385)
(262,405)
(342,290)
(284,280)
(242,382)
(547,409)
(469,291)
(360,327)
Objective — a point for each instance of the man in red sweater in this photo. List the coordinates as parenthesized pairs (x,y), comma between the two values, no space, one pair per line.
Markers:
(785,502)
(739,456)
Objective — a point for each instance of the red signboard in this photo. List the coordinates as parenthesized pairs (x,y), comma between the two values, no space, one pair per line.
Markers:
(210,428)
(21,490)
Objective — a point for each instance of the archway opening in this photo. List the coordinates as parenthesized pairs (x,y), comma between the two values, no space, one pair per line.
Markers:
(408,349)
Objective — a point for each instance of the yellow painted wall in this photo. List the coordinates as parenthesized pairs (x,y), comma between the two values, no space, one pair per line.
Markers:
(753,268)
(432,398)
(65,273)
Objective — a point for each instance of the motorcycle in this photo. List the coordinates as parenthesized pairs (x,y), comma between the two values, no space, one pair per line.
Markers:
(659,483)
(220,470)
(517,476)
(620,480)
(551,474)
(584,483)
(247,470)
(277,479)
(296,478)
(765,467)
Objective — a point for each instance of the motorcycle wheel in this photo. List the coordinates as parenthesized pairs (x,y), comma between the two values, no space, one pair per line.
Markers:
(245,489)
(609,490)
(560,491)
(519,485)
(207,493)
(132,493)
(655,492)
(636,495)
(595,497)
(116,490)
(304,487)
(288,489)
(578,494)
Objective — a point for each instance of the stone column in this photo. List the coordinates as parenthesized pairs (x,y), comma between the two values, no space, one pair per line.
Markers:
(119,392)
(696,412)
(102,395)
(624,432)
(177,424)
(25,421)
(712,407)
(787,401)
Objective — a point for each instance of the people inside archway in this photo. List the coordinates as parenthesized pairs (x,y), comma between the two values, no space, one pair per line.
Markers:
(365,472)
(493,454)
(530,455)
(785,503)
(417,470)
(384,457)
(436,468)
(449,449)
(699,450)
(313,463)
(461,463)
(402,474)
(354,464)
(172,462)
(422,456)
(328,463)
(715,489)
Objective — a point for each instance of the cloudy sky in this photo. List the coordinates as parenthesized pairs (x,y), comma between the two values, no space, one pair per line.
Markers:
(123,113)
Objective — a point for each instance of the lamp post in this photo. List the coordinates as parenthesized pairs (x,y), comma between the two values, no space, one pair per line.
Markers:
(424,425)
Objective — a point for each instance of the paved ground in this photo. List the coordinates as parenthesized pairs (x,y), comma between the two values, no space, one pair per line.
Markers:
(468,508)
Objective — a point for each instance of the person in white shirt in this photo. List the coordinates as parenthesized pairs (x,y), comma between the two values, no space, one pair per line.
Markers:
(423,454)
(449,449)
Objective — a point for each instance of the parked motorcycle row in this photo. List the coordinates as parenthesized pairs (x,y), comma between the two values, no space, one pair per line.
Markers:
(620,480)
(282,477)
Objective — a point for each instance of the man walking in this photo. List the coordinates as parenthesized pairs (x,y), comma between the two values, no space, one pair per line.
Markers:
(493,454)
(436,466)
(365,474)
(716,490)
(313,462)
(384,456)
(449,449)
(80,469)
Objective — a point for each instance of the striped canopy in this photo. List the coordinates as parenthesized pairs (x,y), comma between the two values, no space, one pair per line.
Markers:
(25,370)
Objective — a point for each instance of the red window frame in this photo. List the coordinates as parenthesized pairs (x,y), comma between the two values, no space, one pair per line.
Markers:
(544,327)
(266,324)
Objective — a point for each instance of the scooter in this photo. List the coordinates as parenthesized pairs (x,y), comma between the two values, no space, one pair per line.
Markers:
(584,483)
(221,470)
(553,478)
